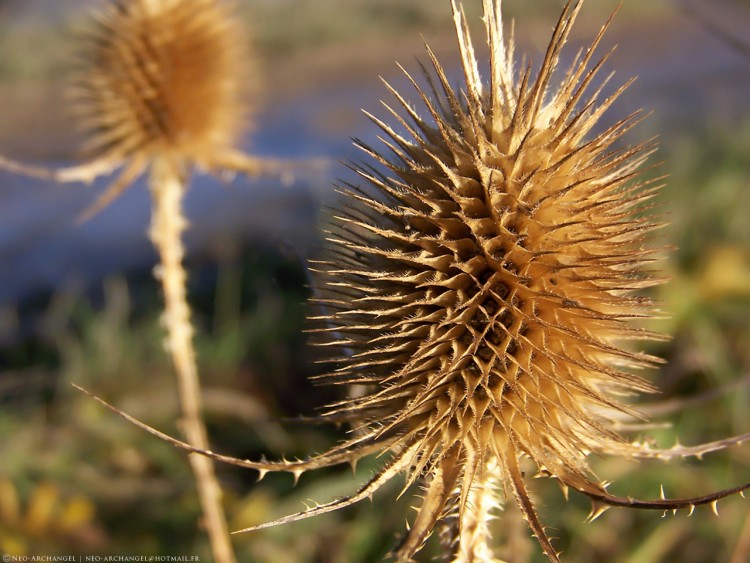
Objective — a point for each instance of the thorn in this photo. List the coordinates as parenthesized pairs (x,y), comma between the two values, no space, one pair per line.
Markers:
(597,509)
(297,473)
(565,490)
(692,509)
(715,507)
(742,494)
(661,492)
(262,473)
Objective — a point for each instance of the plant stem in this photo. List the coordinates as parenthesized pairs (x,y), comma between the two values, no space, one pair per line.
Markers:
(474,541)
(167,224)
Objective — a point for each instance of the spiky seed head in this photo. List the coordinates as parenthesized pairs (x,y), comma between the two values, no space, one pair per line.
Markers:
(163,77)
(483,285)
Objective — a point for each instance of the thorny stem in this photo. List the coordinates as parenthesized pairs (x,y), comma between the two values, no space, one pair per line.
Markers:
(167,224)
(474,542)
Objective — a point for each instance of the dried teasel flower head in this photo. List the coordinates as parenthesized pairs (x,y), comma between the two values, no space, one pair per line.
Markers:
(164,76)
(486,290)
(482,286)
(158,81)
(485,284)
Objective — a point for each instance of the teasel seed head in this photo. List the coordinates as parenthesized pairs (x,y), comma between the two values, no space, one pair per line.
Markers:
(163,79)
(485,281)
(163,76)
(482,290)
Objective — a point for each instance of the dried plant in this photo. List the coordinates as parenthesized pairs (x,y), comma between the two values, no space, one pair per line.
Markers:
(161,80)
(481,291)
(162,88)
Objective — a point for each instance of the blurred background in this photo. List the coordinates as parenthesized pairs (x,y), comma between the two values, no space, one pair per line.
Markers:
(78,302)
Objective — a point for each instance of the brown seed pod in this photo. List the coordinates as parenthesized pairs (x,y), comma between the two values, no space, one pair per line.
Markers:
(163,76)
(162,79)
(488,286)
(484,287)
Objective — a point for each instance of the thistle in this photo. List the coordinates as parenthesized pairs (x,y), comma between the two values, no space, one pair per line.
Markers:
(162,79)
(161,89)
(482,283)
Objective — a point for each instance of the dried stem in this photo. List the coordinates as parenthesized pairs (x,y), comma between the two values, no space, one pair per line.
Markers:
(167,224)
(742,549)
(475,537)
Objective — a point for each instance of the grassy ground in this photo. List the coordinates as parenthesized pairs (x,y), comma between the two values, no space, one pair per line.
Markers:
(74,478)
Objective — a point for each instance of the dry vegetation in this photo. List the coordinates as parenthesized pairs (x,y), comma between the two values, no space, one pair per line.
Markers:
(74,475)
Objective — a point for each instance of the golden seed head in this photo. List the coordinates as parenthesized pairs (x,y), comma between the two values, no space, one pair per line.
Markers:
(492,276)
(483,285)
(163,76)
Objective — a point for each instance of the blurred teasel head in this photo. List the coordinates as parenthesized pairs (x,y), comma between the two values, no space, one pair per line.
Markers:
(163,76)
(164,82)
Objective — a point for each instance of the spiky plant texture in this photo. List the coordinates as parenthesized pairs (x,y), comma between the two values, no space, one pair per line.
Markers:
(482,287)
(163,79)
(161,89)
(485,284)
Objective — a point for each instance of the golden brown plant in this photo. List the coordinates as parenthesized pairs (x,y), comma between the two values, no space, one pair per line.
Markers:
(482,288)
(163,79)
(162,89)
